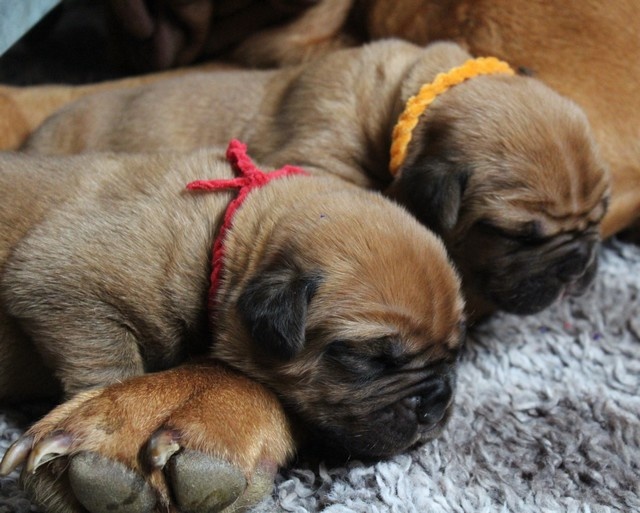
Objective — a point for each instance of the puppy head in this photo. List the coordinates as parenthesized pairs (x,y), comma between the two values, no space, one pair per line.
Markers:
(354,318)
(507,172)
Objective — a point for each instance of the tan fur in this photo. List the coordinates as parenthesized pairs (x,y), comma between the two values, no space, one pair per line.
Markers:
(320,29)
(105,263)
(336,115)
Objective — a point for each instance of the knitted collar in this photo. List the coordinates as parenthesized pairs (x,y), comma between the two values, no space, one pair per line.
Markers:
(250,178)
(417,104)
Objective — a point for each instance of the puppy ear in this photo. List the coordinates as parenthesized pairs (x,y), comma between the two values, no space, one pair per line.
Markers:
(432,190)
(432,181)
(274,306)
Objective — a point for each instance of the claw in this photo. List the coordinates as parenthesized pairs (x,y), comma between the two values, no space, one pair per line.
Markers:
(162,445)
(47,450)
(15,455)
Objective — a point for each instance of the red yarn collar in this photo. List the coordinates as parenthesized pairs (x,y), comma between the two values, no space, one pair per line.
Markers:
(250,178)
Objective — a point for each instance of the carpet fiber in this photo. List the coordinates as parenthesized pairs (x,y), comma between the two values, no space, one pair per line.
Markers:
(547,420)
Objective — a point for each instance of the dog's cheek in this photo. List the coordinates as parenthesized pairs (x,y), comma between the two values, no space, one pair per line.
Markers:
(273,308)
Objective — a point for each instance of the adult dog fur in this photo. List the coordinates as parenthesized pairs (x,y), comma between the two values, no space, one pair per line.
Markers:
(331,296)
(503,168)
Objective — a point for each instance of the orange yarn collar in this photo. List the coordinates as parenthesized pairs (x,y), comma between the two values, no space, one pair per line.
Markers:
(417,104)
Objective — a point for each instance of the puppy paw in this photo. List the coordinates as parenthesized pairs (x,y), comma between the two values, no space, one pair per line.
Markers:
(198,438)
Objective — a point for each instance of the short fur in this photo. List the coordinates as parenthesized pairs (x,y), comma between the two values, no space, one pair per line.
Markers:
(500,163)
(333,297)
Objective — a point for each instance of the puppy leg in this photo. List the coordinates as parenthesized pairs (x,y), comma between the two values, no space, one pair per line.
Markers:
(197,438)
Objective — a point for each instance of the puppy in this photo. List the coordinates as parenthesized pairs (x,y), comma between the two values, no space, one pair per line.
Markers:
(500,166)
(332,297)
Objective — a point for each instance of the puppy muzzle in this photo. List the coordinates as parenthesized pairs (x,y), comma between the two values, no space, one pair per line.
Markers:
(568,269)
(369,431)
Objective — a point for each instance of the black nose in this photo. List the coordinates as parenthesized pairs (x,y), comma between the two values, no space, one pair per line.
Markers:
(575,262)
(432,402)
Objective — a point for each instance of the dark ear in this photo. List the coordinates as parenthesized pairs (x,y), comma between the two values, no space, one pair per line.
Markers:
(433,179)
(432,191)
(274,305)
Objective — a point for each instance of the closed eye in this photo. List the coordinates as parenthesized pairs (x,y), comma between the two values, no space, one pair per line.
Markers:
(381,355)
(343,354)
(370,360)
(526,236)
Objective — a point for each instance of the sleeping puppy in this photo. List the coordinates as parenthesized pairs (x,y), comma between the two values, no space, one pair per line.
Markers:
(330,296)
(500,166)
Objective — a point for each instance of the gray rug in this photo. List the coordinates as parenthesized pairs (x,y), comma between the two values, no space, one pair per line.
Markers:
(547,420)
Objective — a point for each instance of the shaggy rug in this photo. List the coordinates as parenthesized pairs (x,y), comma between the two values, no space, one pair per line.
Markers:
(547,420)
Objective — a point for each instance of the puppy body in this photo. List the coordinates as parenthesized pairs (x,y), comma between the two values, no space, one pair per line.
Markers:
(334,298)
(498,162)
(25,108)
(105,270)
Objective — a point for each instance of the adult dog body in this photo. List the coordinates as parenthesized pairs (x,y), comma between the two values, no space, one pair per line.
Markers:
(105,263)
(503,168)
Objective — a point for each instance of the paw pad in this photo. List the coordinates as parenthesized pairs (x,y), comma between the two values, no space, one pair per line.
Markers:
(204,484)
(106,486)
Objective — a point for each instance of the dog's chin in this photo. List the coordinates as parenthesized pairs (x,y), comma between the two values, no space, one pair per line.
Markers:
(532,294)
(374,438)
(427,436)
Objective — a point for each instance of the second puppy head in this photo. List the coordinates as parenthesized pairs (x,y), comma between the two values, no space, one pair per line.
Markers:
(507,172)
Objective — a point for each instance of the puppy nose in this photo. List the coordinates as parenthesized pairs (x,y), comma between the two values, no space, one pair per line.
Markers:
(574,263)
(432,403)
